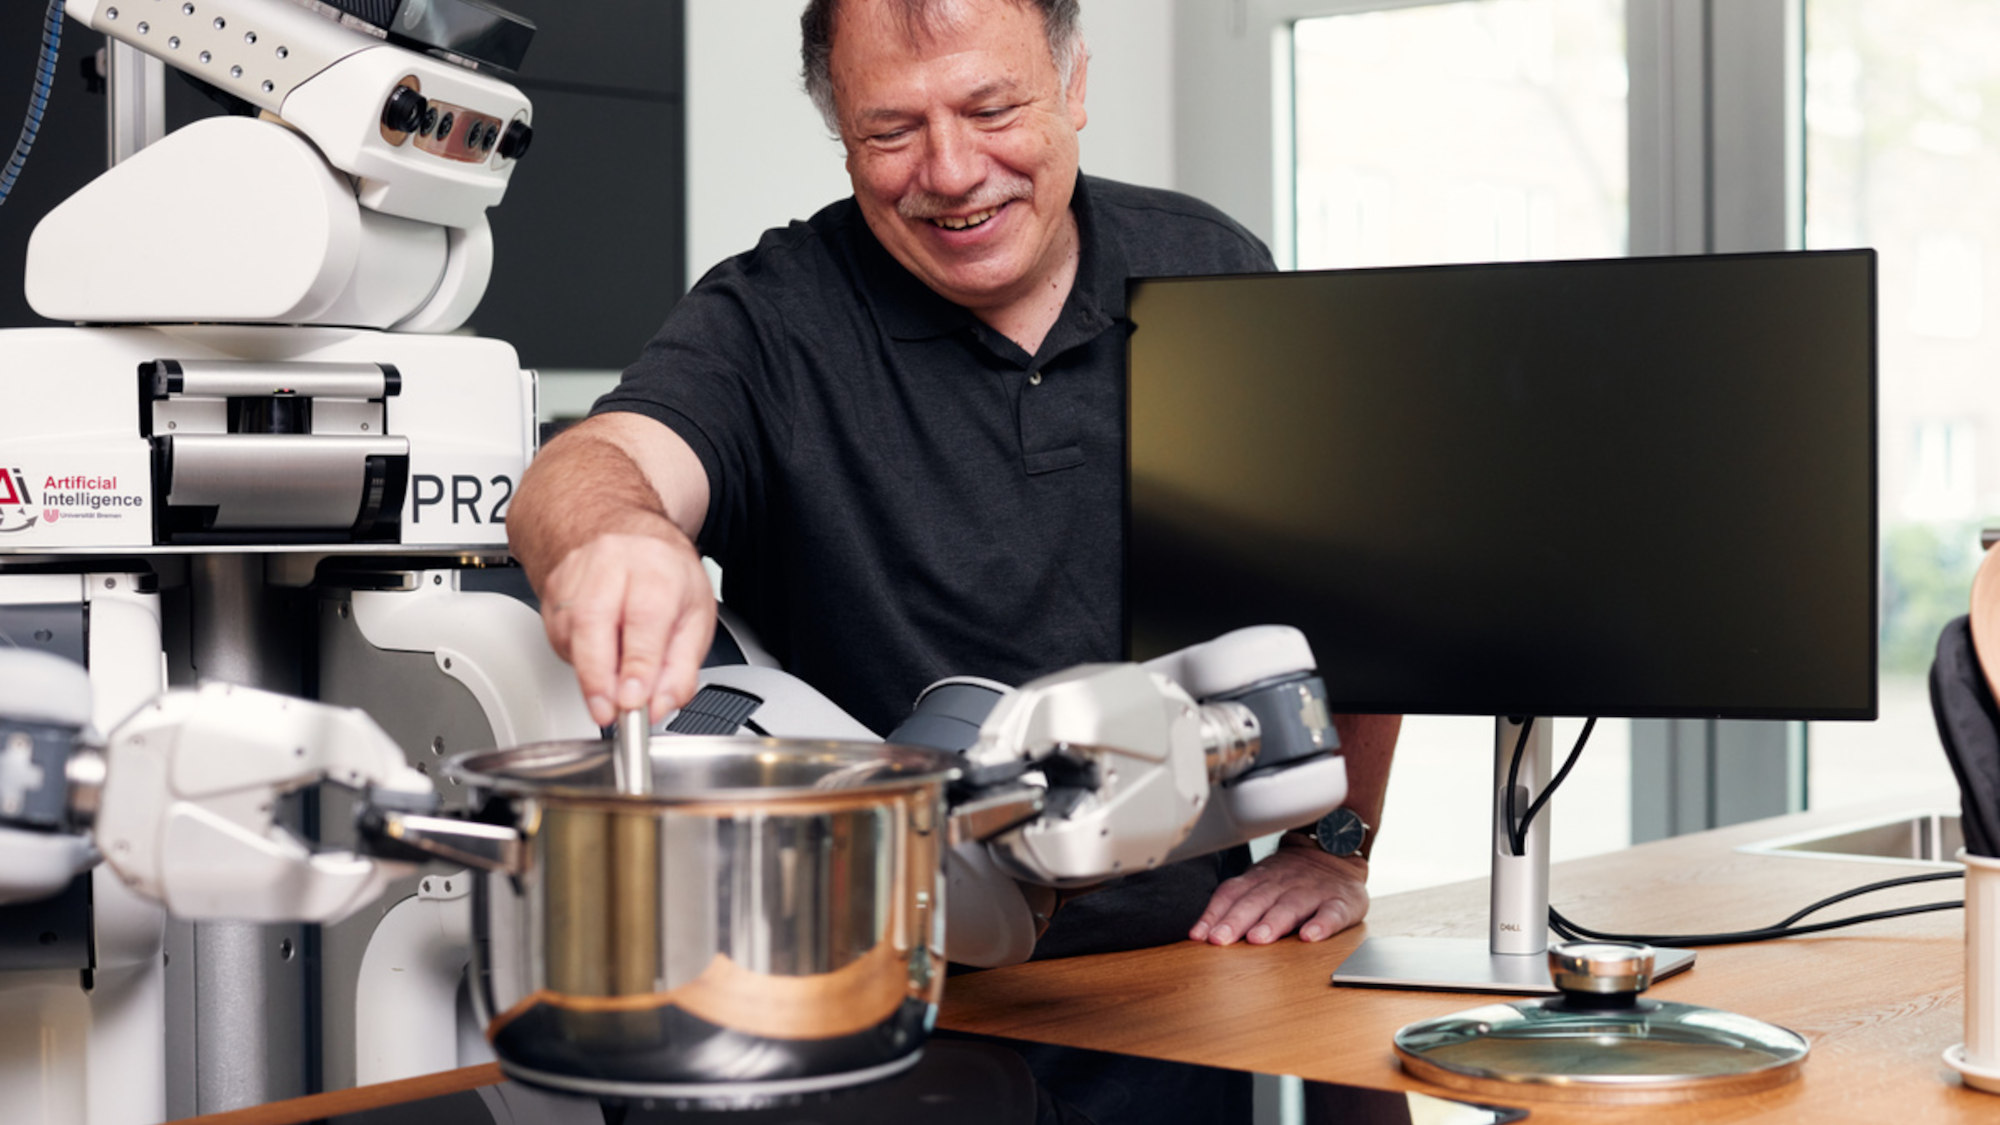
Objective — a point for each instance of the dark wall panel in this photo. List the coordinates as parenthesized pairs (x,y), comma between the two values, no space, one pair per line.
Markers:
(69,153)
(590,243)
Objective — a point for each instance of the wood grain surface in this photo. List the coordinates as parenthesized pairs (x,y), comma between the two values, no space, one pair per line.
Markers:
(299,1111)
(1879,1003)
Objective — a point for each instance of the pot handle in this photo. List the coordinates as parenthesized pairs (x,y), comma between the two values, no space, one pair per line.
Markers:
(399,834)
(987,814)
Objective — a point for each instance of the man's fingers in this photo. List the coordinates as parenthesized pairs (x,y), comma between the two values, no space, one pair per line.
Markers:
(1233,909)
(1331,918)
(1262,919)
(651,612)
(593,652)
(1225,896)
(676,682)
(633,615)
(1267,902)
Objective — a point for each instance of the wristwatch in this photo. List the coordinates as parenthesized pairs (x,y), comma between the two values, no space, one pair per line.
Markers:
(1341,832)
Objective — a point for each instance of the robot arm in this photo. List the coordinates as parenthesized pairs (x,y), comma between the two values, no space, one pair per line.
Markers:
(197,777)
(44,707)
(1130,768)
(1203,749)
(183,799)
(1126,758)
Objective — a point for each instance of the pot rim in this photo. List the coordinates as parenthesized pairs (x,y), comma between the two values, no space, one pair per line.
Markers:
(510,771)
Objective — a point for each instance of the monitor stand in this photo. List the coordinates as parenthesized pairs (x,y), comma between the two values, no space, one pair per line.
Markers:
(1514,958)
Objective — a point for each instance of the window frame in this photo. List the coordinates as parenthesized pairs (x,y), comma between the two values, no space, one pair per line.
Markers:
(1716,164)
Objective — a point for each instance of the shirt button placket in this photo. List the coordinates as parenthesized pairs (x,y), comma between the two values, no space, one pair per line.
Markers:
(1034,378)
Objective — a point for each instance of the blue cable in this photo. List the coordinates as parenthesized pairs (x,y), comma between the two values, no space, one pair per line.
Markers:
(38,102)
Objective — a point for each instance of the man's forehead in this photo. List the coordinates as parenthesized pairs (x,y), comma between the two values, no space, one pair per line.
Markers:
(882,73)
(918,23)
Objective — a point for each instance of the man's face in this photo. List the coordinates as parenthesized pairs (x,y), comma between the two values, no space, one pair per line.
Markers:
(961,143)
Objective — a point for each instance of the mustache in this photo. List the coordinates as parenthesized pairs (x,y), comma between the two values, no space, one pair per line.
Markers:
(996,190)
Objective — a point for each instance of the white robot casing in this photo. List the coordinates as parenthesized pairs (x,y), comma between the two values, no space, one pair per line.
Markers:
(77,472)
(329,81)
(263,231)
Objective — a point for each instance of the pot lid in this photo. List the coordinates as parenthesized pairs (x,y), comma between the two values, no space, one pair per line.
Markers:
(1599,1041)
(688,769)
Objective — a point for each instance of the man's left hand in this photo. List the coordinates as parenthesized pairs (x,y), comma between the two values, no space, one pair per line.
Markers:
(1295,887)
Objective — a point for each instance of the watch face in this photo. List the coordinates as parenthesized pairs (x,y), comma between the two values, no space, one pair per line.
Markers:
(1341,832)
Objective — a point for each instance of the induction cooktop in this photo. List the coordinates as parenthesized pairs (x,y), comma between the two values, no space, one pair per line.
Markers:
(980,1080)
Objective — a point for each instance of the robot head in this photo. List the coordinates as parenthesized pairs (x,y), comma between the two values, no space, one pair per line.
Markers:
(395,93)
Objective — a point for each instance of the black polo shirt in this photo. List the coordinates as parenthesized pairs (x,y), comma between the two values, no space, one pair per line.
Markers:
(898,493)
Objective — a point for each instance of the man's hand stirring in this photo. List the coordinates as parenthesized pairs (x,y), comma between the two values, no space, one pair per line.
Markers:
(633,614)
(604,524)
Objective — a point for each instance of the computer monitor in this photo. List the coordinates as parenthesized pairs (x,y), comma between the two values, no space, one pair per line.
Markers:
(1637,487)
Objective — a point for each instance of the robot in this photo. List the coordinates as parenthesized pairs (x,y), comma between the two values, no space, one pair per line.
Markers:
(264,458)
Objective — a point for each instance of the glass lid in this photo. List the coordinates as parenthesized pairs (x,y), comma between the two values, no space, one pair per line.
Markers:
(692,768)
(1600,1041)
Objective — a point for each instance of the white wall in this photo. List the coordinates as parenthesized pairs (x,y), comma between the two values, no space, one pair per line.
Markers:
(758,155)
(1130,136)
(1226,115)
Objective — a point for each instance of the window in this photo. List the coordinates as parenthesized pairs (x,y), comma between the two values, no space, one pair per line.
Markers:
(1483,130)
(1748,125)
(1902,136)
(1476,130)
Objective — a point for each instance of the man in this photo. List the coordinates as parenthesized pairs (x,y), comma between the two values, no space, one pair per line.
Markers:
(898,427)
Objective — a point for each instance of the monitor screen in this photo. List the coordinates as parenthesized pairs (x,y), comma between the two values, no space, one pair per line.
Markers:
(1637,487)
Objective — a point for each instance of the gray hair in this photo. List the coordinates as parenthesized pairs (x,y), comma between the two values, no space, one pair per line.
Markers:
(1060,19)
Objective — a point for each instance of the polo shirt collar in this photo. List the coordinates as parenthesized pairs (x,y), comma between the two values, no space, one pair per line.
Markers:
(911,310)
(1101,273)
(1097,299)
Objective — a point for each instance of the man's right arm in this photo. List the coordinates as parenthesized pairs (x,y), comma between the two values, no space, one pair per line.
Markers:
(604,524)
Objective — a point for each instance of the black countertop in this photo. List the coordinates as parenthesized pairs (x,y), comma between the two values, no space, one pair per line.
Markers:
(978,1080)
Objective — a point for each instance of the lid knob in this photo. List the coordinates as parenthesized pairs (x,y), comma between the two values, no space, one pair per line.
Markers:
(1600,974)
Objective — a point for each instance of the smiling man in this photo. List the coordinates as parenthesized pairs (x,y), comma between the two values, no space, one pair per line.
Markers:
(898,427)
(963,151)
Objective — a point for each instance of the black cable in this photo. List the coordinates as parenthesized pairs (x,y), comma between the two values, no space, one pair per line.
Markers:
(1517,837)
(1517,826)
(1570,931)
(1517,832)
(1549,790)
(1780,929)
(1901,881)
(38,98)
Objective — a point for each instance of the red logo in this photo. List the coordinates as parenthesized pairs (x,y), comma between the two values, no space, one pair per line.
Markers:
(14,501)
(50,514)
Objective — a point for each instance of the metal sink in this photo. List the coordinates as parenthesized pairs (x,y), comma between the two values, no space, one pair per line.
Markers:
(1924,839)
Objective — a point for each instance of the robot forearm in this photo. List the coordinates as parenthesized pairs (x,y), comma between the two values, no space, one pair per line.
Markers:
(1137,767)
(182,799)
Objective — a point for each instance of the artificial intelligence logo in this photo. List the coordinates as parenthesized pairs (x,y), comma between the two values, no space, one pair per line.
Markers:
(15,503)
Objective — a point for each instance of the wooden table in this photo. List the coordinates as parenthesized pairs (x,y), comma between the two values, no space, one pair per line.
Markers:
(1879,1002)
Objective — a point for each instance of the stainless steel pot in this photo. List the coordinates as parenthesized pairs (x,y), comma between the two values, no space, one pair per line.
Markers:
(768,919)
